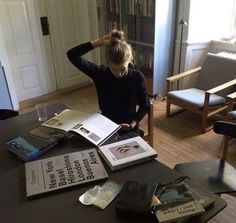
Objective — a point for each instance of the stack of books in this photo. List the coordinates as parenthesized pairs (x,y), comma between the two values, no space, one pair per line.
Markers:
(180,202)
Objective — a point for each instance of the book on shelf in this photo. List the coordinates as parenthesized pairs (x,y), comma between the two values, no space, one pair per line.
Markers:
(35,143)
(63,171)
(93,127)
(127,152)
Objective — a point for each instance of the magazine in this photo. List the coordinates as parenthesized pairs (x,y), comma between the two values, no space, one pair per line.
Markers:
(179,212)
(200,195)
(36,142)
(127,152)
(182,201)
(93,127)
(63,171)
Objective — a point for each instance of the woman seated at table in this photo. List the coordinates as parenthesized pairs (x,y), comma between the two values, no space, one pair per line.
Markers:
(119,88)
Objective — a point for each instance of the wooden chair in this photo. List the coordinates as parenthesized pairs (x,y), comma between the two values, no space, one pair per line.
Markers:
(231,111)
(148,135)
(215,80)
(227,128)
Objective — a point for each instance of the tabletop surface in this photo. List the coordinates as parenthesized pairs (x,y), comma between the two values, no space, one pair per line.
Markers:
(62,206)
(218,176)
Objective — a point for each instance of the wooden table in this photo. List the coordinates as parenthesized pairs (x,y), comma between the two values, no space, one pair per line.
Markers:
(61,206)
(217,176)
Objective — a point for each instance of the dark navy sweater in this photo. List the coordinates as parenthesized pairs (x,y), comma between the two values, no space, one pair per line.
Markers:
(117,97)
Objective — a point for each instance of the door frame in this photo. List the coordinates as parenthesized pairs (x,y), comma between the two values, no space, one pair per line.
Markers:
(49,58)
(47,50)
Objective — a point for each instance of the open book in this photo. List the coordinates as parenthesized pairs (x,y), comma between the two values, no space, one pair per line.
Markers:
(94,127)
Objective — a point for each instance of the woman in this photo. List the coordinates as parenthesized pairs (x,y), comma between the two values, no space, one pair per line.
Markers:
(119,88)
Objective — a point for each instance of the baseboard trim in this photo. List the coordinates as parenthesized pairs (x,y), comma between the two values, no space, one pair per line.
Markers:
(53,95)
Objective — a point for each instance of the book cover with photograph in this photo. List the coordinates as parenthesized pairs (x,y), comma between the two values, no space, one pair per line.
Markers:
(127,152)
(63,171)
(35,143)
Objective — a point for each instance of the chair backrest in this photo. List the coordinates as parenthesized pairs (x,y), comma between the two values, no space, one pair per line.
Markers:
(6,113)
(225,128)
(148,135)
(216,70)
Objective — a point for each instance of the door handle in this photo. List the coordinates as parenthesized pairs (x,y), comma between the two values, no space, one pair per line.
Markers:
(44,25)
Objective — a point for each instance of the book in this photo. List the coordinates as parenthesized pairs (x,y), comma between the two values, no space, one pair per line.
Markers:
(179,212)
(35,143)
(174,195)
(135,198)
(93,127)
(63,171)
(200,195)
(182,201)
(127,152)
(107,194)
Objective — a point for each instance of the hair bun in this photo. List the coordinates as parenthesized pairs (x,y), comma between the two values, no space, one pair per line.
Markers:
(116,36)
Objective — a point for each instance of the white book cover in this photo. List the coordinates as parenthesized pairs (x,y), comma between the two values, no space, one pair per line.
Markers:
(127,152)
(94,127)
(63,171)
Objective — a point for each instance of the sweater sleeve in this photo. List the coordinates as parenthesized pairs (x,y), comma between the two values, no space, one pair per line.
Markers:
(143,102)
(75,56)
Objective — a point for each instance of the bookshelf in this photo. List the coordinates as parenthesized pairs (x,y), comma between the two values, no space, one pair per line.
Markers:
(149,28)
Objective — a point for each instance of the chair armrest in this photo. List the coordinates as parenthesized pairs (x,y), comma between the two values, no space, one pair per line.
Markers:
(232,96)
(221,87)
(214,90)
(184,74)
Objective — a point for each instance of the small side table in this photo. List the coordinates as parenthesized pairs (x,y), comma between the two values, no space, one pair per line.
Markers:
(217,176)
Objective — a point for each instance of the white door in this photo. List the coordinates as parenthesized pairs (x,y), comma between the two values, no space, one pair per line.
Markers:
(22,38)
(70,24)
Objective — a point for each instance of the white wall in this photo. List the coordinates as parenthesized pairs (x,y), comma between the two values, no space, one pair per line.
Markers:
(10,82)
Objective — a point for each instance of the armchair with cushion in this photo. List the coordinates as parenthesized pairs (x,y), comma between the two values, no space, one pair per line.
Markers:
(215,80)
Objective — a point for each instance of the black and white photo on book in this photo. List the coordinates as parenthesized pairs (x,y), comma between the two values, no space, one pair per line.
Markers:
(127,152)
(94,127)
(63,171)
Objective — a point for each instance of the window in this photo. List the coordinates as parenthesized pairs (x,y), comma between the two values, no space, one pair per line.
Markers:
(212,20)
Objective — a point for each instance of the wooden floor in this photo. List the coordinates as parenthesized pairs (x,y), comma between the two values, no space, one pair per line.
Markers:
(177,139)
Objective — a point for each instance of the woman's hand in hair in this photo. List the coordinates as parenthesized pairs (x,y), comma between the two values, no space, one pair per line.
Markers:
(102,41)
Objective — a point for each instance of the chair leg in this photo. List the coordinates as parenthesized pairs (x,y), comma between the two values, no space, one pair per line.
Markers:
(225,147)
(204,124)
(167,107)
